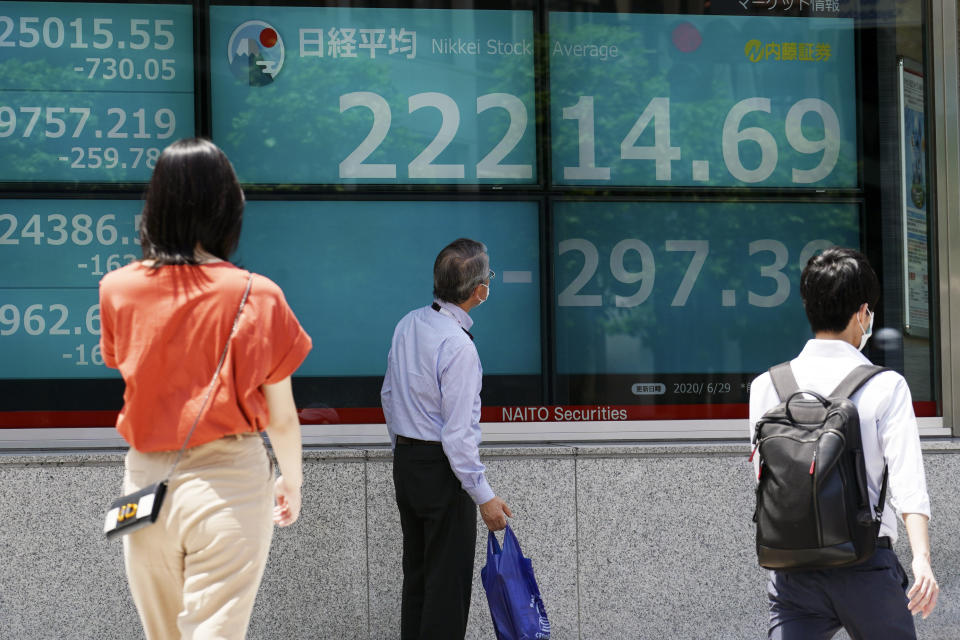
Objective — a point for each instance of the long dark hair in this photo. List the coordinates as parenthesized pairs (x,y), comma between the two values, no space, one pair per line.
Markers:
(193,198)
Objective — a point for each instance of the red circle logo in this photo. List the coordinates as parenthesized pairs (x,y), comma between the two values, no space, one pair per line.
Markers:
(268,37)
(686,38)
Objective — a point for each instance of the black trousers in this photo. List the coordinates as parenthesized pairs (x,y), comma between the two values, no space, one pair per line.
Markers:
(868,600)
(439,522)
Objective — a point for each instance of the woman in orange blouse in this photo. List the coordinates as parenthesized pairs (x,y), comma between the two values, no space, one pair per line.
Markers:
(165,320)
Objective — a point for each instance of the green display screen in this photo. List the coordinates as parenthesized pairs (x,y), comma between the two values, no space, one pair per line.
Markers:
(649,185)
(325,95)
(92,92)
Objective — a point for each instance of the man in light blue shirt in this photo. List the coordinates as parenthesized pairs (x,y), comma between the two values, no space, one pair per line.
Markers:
(431,402)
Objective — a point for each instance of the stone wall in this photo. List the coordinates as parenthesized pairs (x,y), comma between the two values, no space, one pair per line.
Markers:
(628,541)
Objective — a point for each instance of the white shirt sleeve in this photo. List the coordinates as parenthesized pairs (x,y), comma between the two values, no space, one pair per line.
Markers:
(900,440)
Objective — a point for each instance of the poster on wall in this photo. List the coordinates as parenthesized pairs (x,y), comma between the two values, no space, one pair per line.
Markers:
(92,92)
(913,154)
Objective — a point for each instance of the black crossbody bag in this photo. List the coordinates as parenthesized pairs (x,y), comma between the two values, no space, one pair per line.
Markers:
(136,510)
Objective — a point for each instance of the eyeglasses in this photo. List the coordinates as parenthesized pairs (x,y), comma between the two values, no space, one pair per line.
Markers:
(491,275)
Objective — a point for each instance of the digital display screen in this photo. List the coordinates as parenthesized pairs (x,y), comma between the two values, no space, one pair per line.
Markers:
(92,92)
(350,271)
(369,138)
(696,100)
(395,96)
(52,256)
(653,292)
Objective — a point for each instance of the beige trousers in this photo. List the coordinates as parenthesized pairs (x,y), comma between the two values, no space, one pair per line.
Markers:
(195,572)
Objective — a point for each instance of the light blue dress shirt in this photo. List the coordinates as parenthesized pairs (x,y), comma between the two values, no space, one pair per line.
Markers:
(431,390)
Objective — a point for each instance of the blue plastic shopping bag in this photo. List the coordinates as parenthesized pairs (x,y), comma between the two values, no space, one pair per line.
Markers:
(512,593)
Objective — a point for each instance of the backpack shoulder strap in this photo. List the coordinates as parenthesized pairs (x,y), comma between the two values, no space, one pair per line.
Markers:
(856,379)
(784,381)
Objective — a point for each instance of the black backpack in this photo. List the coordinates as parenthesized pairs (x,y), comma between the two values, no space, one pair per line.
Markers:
(813,509)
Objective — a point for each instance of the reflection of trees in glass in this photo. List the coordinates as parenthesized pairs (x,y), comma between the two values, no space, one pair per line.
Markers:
(37,75)
(624,87)
(618,83)
(702,89)
(510,72)
(702,325)
(23,160)
(299,113)
(35,158)
(301,109)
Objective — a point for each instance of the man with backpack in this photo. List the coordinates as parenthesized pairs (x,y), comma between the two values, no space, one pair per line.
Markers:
(832,578)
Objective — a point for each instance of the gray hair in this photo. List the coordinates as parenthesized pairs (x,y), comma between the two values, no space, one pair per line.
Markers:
(459,268)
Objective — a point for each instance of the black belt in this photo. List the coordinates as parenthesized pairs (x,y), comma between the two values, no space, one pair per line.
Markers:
(406,440)
(883,542)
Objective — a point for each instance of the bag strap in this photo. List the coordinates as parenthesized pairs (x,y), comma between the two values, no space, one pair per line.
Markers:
(784,382)
(882,498)
(849,386)
(856,379)
(216,374)
(493,545)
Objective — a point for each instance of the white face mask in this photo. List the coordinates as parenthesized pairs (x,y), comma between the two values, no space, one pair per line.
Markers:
(482,300)
(866,332)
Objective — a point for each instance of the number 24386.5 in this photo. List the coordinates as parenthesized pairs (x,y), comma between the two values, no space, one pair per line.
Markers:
(58,229)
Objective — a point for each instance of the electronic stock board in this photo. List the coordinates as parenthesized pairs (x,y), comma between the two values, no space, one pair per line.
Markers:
(656,299)
(92,92)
